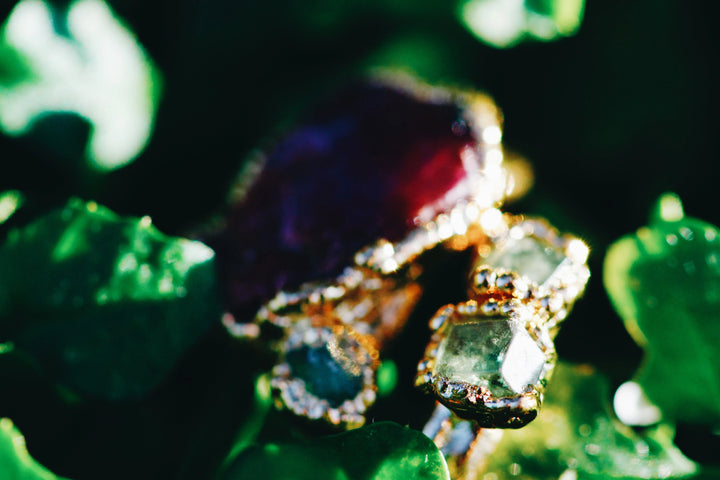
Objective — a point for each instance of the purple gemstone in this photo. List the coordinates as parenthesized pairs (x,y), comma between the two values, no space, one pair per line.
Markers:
(359,168)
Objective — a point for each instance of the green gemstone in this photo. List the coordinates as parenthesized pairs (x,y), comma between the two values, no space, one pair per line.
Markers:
(497,353)
(528,256)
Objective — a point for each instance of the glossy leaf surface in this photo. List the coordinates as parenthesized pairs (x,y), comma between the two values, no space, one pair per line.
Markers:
(15,461)
(664,281)
(502,23)
(106,304)
(66,60)
(379,451)
(10,201)
(576,436)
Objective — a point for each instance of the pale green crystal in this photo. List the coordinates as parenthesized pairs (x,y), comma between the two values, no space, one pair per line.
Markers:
(497,353)
(526,256)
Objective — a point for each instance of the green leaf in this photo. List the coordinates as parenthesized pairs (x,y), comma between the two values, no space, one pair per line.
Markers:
(576,436)
(10,201)
(503,24)
(105,303)
(379,451)
(83,61)
(15,461)
(664,281)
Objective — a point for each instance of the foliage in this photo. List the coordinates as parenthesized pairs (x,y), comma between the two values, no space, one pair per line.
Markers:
(664,281)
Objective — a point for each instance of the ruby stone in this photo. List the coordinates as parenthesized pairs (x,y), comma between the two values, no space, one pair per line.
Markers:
(360,168)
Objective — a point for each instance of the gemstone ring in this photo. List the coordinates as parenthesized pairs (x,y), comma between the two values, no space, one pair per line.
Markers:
(489,358)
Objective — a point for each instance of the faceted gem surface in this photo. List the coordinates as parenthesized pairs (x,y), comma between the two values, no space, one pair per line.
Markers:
(325,376)
(497,353)
(360,168)
(527,256)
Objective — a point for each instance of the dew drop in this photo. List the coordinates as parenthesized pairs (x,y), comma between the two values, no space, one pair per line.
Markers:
(592,449)
(671,239)
(689,267)
(642,448)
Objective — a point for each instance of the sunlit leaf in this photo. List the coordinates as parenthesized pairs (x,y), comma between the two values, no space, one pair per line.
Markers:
(664,281)
(577,437)
(379,451)
(81,61)
(15,461)
(10,201)
(107,304)
(505,23)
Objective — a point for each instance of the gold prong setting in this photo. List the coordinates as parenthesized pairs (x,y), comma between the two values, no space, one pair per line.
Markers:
(488,382)
(557,272)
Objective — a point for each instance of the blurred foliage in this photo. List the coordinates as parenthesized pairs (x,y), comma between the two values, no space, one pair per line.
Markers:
(610,117)
(380,451)
(106,304)
(664,281)
(504,23)
(15,462)
(77,59)
(577,436)
(10,201)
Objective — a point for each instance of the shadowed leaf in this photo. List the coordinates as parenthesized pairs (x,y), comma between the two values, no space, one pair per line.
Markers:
(106,304)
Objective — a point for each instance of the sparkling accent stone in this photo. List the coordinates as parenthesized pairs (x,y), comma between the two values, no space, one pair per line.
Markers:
(325,376)
(527,256)
(496,352)
(361,167)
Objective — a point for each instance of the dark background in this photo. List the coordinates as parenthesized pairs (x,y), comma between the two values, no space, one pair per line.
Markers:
(610,118)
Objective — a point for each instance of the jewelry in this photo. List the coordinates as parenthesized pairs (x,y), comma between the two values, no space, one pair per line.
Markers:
(328,355)
(489,358)
(437,170)
(442,187)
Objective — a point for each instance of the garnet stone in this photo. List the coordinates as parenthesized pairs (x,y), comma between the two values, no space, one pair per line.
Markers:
(359,168)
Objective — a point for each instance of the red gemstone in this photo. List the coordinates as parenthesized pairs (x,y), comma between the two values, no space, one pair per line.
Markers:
(360,168)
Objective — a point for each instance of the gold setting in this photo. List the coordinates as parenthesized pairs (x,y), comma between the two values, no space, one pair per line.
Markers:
(477,402)
(358,354)
(558,292)
(352,317)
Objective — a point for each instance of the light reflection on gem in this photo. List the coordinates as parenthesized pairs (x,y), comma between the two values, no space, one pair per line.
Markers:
(496,353)
(528,257)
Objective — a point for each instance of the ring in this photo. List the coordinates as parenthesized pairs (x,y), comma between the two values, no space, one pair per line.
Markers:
(490,358)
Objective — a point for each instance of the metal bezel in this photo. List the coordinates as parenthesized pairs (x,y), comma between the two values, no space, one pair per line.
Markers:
(291,392)
(475,402)
(559,292)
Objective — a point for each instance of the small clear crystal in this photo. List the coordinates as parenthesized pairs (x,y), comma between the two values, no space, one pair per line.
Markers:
(496,352)
(528,256)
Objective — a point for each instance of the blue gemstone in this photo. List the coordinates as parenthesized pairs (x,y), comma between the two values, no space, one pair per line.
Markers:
(323,375)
